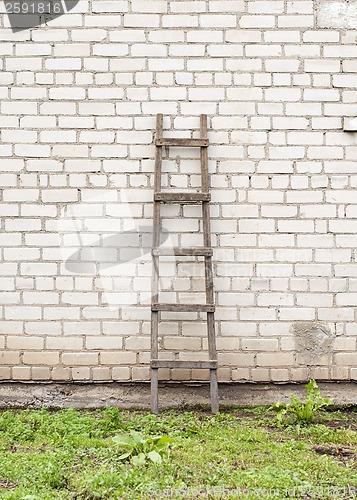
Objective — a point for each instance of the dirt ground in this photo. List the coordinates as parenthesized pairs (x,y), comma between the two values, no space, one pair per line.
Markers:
(180,396)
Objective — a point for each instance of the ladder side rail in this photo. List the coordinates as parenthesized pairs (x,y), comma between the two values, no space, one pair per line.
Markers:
(155,269)
(206,218)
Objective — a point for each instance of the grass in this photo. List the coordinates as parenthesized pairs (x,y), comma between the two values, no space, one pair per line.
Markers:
(238,454)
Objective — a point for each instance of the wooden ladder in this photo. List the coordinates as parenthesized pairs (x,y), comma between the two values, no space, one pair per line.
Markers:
(205,251)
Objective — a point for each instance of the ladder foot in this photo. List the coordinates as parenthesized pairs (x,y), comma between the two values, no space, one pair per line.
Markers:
(154,391)
(214,391)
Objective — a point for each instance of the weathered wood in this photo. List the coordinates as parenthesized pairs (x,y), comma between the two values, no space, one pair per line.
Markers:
(155,272)
(183,251)
(182,197)
(183,307)
(212,350)
(158,156)
(154,404)
(214,391)
(211,364)
(204,155)
(183,143)
(205,251)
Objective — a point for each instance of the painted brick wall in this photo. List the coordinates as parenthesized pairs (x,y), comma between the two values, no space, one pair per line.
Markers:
(78,102)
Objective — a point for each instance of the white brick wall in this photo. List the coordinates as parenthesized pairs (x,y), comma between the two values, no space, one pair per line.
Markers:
(79,97)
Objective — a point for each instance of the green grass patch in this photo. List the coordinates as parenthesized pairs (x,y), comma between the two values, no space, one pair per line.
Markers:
(240,454)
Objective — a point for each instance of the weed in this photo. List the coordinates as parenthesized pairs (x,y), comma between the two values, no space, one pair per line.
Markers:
(303,411)
(141,449)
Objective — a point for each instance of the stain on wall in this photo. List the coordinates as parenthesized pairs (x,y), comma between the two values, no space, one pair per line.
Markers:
(340,14)
(313,342)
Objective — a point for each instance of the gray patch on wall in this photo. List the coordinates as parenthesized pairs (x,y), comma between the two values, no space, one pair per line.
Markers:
(340,14)
(313,340)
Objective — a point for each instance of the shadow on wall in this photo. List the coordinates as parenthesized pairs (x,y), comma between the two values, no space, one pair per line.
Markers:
(31,13)
(85,259)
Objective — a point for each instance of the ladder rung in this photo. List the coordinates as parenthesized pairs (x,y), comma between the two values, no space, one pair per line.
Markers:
(183,307)
(182,197)
(211,364)
(186,142)
(184,251)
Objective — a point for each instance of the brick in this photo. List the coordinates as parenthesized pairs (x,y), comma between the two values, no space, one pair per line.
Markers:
(141,21)
(346,359)
(266,7)
(120,373)
(275,359)
(339,373)
(279,375)
(282,93)
(137,343)
(158,6)
(66,93)
(64,343)
(314,300)
(323,152)
(259,344)
(260,375)
(40,373)
(282,65)
(347,51)
(239,36)
(218,21)
(84,328)
(101,374)
(117,358)
(25,342)
(296,226)
(261,21)
(179,21)
(21,312)
(59,195)
(342,226)
(296,21)
(5,373)
(21,373)
(344,344)
(23,64)
(61,313)
(81,374)
(225,5)
(38,269)
(32,150)
(67,64)
(182,343)
(103,343)
(79,359)
(257,314)
(236,359)
(305,138)
(303,109)
(274,299)
(40,358)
